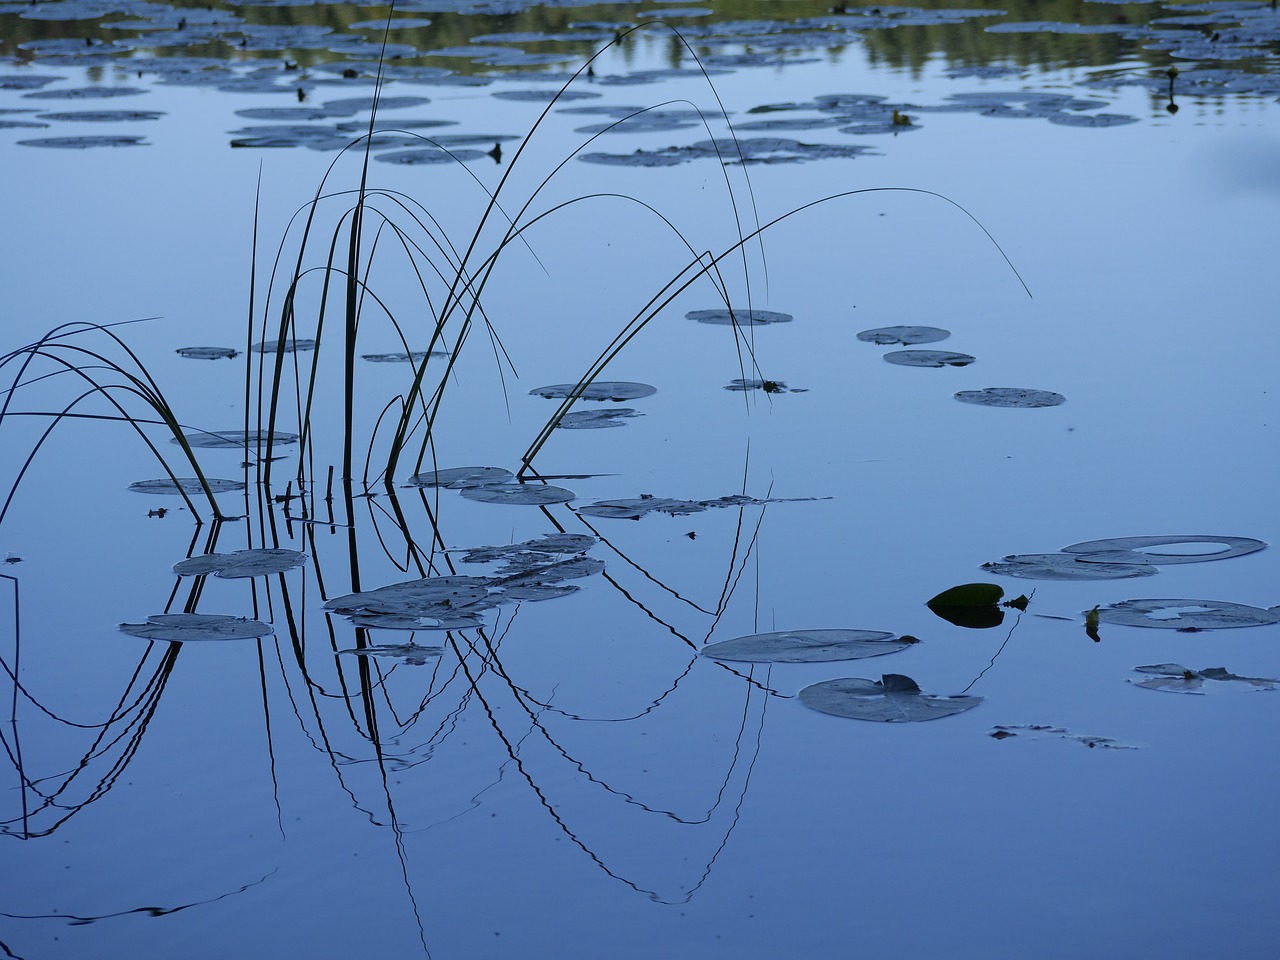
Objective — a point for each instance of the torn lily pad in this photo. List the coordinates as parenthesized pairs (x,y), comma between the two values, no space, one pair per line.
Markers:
(528,494)
(459,478)
(891,699)
(739,318)
(808,646)
(259,562)
(1135,549)
(1175,678)
(185,627)
(1066,566)
(616,390)
(1011,397)
(188,485)
(929,358)
(884,336)
(208,353)
(596,419)
(1189,615)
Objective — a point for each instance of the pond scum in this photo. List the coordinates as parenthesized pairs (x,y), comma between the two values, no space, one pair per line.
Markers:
(318,303)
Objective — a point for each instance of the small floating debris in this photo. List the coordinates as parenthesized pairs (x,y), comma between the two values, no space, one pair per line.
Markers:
(258,562)
(208,353)
(615,390)
(929,358)
(884,336)
(739,318)
(596,419)
(1011,397)
(893,698)
(188,485)
(808,646)
(184,627)
(1175,678)
(1187,615)
(768,386)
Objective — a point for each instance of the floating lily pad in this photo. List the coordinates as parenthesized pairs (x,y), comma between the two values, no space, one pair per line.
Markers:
(808,646)
(84,143)
(634,509)
(288,346)
(1011,397)
(104,116)
(1187,614)
(425,156)
(190,485)
(417,356)
(616,390)
(929,358)
(217,439)
(1035,730)
(459,478)
(259,562)
(544,548)
(892,699)
(208,353)
(969,595)
(413,654)
(1133,549)
(84,93)
(519,493)
(1065,566)
(904,335)
(448,593)
(596,419)
(1175,678)
(739,318)
(1092,119)
(184,627)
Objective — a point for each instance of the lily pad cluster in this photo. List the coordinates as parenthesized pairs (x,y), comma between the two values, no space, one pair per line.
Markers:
(600,391)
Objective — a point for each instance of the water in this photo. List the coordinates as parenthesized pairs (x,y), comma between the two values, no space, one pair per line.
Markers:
(574,780)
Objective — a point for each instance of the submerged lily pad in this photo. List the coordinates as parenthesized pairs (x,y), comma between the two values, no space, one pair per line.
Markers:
(190,485)
(596,419)
(808,646)
(616,390)
(1134,549)
(218,439)
(884,336)
(1065,566)
(929,358)
(259,562)
(208,353)
(1175,678)
(184,627)
(1187,614)
(1011,397)
(891,699)
(739,318)
(519,493)
(459,478)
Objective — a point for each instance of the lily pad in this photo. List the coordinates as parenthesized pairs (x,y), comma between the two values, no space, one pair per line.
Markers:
(84,143)
(433,597)
(417,356)
(596,419)
(1011,397)
(1175,678)
(634,509)
(969,595)
(929,358)
(460,478)
(519,493)
(1066,566)
(884,336)
(616,390)
(413,654)
(289,346)
(218,439)
(103,116)
(208,353)
(548,546)
(1134,549)
(259,562)
(190,485)
(807,646)
(1187,614)
(891,699)
(739,318)
(184,627)
(1035,730)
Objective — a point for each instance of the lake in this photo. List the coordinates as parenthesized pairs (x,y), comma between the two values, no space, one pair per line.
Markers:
(526,751)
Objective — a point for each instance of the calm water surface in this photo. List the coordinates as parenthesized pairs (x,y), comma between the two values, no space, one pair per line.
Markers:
(573,780)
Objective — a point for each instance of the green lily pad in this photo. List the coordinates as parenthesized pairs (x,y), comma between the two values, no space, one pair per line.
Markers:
(891,699)
(259,562)
(1187,614)
(184,627)
(969,595)
(807,646)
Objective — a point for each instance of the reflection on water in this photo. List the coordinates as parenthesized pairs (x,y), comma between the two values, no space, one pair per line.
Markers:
(488,729)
